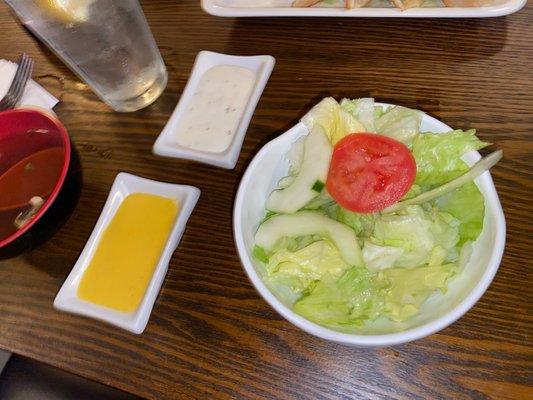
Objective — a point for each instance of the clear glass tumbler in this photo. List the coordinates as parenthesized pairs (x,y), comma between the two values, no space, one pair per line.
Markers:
(107,43)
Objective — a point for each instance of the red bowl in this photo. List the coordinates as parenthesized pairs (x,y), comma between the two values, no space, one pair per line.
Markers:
(24,132)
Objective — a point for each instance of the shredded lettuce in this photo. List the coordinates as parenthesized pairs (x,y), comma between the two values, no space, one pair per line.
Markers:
(362,110)
(294,243)
(438,155)
(348,301)
(409,288)
(322,202)
(298,269)
(417,232)
(361,295)
(335,120)
(260,254)
(362,224)
(411,231)
(444,228)
(380,257)
(378,112)
(400,123)
(467,205)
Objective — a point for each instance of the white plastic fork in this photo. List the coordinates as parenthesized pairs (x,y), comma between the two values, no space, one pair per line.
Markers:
(15,91)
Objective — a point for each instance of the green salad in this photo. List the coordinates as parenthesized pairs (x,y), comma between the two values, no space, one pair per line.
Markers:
(374,215)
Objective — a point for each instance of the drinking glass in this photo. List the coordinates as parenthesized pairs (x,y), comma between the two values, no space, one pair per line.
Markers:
(107,43)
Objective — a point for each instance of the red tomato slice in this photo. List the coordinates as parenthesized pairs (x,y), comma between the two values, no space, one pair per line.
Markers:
(369,172)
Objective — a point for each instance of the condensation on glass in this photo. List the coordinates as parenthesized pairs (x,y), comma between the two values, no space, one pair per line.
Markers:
(107,43)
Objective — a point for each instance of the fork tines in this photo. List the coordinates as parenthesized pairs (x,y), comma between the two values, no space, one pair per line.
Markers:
(15,91)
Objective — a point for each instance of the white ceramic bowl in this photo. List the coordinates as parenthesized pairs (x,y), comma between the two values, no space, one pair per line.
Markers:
(439,311)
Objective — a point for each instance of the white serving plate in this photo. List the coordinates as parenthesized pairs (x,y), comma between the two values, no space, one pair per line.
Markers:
(166,144)
(236,8)
(439,311)
(125,184)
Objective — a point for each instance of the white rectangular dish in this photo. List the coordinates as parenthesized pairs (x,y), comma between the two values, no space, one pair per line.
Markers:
(166,144)
(125,184)
(242,8)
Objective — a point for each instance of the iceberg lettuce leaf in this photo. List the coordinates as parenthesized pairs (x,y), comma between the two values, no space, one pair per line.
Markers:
(380,257)
(335,120)
(362,224)
(298,269)
(400,123)
(360,295)
(467,205)
(348,301)
(438,155)
(362,109)
(409,230)
(409,288)
(417,232)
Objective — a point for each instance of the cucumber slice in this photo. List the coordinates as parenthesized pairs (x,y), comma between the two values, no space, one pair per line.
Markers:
(310,223)
(315,166)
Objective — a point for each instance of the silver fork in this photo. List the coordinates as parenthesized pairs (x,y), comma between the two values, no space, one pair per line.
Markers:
(15,91)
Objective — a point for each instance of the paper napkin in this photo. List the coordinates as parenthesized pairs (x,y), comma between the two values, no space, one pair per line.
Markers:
(34,94)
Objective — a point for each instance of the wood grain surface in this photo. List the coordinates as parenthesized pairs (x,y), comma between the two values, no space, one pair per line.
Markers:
(210,334)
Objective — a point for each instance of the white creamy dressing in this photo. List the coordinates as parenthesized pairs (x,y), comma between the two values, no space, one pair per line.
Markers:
(214,112)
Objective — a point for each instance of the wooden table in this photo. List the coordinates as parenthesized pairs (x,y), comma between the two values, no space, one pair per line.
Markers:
(211,335)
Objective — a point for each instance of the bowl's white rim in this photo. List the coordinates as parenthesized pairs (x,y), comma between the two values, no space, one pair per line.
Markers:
(368,340)
(505,8)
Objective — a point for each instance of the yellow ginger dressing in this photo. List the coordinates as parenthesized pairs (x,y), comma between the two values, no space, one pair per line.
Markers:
(128,252)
